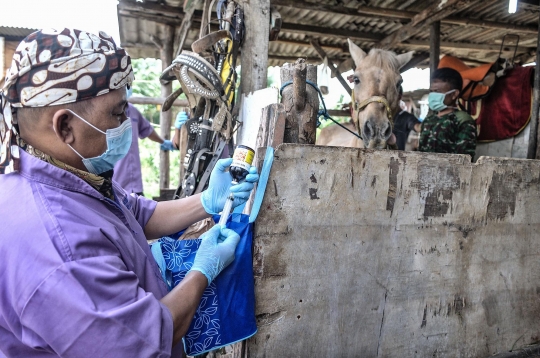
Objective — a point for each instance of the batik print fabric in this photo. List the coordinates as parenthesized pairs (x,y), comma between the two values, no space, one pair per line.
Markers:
(53,67)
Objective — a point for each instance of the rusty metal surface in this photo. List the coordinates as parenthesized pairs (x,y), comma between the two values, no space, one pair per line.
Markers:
(394,254)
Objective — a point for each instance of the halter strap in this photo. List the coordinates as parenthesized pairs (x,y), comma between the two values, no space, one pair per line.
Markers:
(378,99)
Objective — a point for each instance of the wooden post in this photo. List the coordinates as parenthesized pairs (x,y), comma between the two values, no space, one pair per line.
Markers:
(166,54)
(301,102)
(254,56)
(434,46)
(533,152)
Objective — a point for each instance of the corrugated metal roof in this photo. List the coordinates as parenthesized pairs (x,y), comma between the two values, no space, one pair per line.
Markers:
(15,33)
(473,33)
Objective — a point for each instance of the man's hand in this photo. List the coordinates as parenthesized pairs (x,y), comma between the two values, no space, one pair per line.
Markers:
(215,252)
(181,118)
(392,140)
(213,199)
(167,145)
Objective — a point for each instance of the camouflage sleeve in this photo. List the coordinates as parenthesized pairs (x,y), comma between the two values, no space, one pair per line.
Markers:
(466,138)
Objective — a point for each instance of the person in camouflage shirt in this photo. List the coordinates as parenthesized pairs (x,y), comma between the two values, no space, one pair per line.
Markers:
(447,129)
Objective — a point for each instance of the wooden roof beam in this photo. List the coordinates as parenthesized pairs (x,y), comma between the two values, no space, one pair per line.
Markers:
(318,31)
(331,65)
(152,8)
(435,12)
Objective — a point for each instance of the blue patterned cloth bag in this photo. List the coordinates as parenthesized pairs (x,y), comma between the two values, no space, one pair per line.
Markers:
(226,313)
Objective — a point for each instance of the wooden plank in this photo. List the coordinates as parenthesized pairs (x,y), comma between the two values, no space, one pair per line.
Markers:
(301,102)
(180,37)
(532,351)
(276,132)
(152,7)
(434,45)
(437,11)
(331,65)
(251,109)
(396,254)
(533,151)
(204,18)
(414,62)
(254,56)
(156,101)
(165,118)
(319,31)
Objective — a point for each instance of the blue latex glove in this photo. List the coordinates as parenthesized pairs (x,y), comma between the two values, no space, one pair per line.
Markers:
(167,145)
(213,199)
(215,252)
(181,118)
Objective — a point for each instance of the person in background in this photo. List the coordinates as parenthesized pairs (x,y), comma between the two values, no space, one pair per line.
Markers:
(77,276)
(447,129)
(127,171)
(404,123)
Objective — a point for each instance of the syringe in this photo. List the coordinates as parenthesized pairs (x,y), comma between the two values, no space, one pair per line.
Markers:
(239,169)
(226,209)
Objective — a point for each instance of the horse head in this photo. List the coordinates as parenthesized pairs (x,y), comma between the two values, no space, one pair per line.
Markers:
(375,95)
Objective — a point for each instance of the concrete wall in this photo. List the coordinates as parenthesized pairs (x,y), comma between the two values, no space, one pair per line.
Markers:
(515,147)
(361,253)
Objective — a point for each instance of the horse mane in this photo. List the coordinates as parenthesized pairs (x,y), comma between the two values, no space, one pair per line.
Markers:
(386,60)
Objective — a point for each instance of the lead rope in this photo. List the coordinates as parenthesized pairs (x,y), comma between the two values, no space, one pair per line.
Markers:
(322,112)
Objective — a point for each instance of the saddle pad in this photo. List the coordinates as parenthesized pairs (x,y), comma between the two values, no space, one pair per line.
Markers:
(507,109)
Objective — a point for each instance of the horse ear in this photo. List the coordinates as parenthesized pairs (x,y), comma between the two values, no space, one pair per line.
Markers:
(404,58)
(356,52)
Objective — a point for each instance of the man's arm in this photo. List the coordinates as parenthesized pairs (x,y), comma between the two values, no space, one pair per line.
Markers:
(466,138)
(183,301)
(155,137)
(172,216)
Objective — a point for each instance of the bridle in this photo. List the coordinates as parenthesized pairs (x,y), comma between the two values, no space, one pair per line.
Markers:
(359,107)
(378,99)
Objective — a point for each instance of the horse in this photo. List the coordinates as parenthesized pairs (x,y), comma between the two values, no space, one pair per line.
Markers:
(375,99)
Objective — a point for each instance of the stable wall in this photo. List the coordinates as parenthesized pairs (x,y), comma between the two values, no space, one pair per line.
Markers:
(361,253)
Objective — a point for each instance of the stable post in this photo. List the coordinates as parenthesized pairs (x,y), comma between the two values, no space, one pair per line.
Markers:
(254,56)
(301,102)
(166,54)
(434,46)
(533,152)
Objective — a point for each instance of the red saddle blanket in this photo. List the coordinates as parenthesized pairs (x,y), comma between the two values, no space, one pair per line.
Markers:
(506,110)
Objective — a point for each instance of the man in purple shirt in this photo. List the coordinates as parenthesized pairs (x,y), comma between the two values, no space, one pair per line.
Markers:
(127,171)
(77,278)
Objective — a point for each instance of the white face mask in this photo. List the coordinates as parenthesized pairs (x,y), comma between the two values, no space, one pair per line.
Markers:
(118,144)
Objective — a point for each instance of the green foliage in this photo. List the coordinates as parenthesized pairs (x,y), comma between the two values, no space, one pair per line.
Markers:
(149,152)
(147,72)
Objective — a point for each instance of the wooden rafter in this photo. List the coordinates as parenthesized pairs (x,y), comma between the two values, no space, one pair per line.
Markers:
(400,15)
(333,68)
(435,12)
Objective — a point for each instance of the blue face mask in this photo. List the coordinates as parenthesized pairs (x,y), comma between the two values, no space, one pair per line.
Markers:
(436,100)
(118,144)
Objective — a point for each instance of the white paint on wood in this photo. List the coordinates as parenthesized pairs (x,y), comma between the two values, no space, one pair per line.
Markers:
(361,253)
(515,147)
(250,114)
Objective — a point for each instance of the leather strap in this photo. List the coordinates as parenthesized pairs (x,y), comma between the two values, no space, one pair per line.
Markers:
(378,99)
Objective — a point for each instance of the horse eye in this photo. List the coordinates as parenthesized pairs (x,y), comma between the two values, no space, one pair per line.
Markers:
(399,83)
(356,80)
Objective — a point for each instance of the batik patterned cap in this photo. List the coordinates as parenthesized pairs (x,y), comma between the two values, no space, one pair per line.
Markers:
(53,67)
